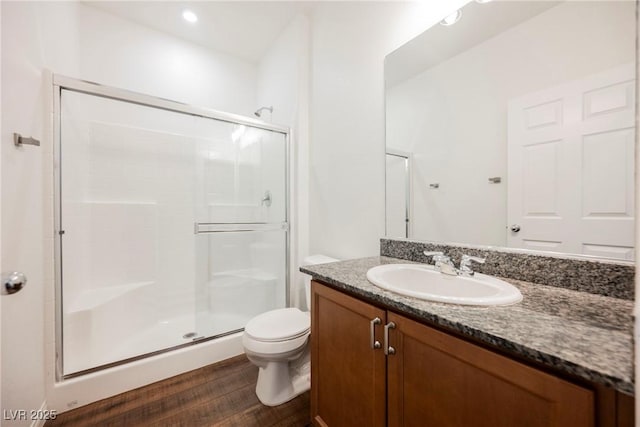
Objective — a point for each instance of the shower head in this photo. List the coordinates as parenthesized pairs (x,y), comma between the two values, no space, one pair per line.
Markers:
(258,112)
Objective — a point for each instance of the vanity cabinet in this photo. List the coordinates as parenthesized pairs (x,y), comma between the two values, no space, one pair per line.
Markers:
(435,379)
(348,378)
(428,378)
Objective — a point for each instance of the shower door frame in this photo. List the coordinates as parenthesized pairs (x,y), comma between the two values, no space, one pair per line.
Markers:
(61,82)
(408,220)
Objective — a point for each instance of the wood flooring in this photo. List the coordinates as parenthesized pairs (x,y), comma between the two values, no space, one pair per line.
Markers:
(220,395)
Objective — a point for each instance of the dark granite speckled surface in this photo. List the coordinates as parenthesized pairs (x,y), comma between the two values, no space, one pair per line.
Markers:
(583,334)
(609,278)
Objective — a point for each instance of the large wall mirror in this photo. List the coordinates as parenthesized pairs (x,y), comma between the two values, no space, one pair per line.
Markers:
(515,127)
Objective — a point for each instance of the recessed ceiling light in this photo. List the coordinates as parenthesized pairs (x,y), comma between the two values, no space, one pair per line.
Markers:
(483,1)
(189,16)
(451,19)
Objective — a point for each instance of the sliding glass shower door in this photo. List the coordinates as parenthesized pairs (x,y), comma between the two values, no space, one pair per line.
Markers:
(241,225)
(172,228)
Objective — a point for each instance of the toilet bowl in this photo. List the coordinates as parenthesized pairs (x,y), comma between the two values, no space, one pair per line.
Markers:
(277,342)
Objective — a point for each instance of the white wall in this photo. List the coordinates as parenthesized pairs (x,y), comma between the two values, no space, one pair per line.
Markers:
(349,43)
(82,42)
(22,204)
(283,82)
(463,101)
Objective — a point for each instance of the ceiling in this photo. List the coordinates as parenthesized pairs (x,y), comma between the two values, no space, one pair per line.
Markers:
(245,29)
(440,43)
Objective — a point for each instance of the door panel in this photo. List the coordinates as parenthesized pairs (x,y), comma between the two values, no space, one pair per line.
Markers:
(438,380)
(345,367)
(571,166)
(238,276)
(174,228)
(243,172)
(600,152)
(540,179)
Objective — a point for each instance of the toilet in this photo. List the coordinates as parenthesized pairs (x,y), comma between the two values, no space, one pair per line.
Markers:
(277,342)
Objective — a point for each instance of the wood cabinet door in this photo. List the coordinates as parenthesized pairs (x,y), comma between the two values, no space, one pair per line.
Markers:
(348,378)
(438,380)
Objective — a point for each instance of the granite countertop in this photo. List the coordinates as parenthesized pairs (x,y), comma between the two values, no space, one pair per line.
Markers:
(587,335)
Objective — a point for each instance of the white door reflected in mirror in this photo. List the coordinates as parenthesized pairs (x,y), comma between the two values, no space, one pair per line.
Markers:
(448,97)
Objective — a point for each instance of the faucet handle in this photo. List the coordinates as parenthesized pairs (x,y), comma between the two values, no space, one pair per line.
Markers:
(437,256)
(432,253)
(439,259)
(465,264)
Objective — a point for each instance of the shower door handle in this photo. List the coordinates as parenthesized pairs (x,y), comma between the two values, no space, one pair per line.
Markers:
(13,282)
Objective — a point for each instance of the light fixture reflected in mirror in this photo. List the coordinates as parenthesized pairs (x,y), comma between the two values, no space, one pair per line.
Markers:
(190,16)
(452,19)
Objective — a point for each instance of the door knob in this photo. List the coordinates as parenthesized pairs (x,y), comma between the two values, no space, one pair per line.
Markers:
(515,228)
(13,282)
(266,199)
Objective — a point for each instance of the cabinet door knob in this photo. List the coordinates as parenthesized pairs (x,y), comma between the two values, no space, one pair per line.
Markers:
(374,344)
(387,348)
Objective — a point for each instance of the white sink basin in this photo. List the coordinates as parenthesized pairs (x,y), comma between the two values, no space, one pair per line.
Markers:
(423,282)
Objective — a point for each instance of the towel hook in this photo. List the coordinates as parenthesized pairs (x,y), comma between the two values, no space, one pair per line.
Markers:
(20,140)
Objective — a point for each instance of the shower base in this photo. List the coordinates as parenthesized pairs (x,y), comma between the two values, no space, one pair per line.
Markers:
(81,358)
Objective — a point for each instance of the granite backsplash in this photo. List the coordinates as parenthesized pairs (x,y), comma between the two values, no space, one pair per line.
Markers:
(603,277)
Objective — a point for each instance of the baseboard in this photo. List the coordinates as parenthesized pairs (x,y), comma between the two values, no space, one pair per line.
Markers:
(41,416)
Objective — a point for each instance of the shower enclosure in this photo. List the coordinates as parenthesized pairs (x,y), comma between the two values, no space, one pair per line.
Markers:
(172,224)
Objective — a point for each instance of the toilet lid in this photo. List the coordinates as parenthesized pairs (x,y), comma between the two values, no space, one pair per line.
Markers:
(278,325)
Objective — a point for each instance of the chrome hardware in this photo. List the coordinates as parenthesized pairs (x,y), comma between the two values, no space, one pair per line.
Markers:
(13,282)
(442,262)
(20,140)
(374,344)
(437,256)
(495,180)
(434,186)
(465,264)
(387,348)
(266,200)
(515,228)
(432,253)
(204,227)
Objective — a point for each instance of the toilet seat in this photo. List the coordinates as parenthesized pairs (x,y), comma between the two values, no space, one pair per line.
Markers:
(277,342)
(275,349)
(280,325)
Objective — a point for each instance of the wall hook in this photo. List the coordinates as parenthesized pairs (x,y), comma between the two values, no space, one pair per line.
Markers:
(20,140)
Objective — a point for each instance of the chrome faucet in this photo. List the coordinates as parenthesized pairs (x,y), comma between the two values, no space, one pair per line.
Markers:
(444,264)
(465,264)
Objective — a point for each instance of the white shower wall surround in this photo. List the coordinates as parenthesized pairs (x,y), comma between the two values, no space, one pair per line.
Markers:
(136,275)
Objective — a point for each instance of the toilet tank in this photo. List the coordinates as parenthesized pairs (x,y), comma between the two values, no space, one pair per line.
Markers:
(313,260)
